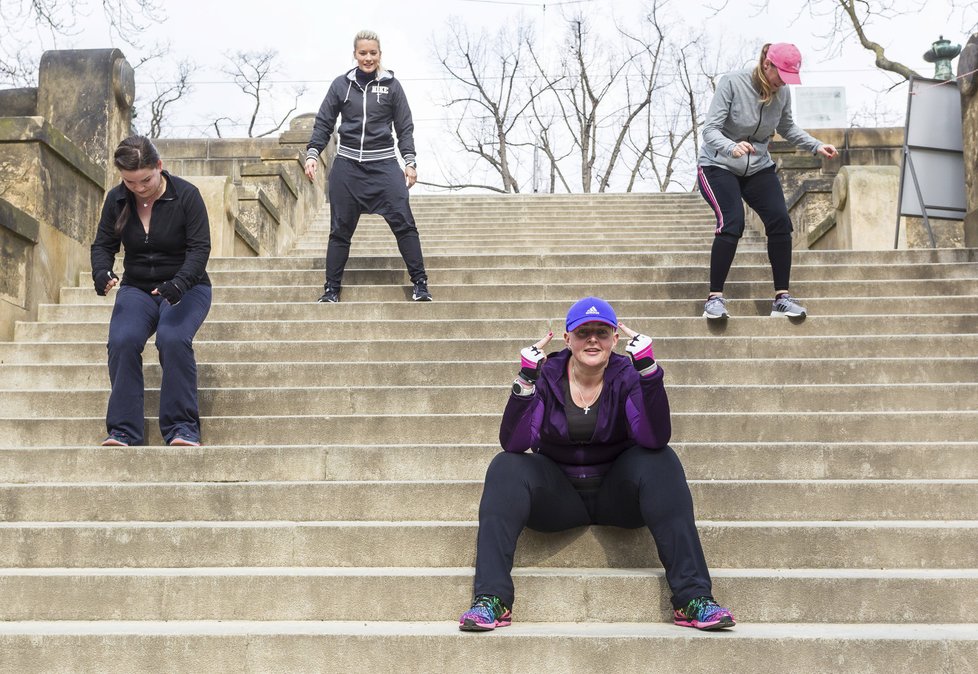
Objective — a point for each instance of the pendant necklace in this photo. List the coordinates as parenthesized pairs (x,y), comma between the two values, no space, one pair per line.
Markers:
(580,392)
(158,192)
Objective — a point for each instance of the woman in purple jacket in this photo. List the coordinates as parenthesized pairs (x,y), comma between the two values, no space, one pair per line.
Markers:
(598,427)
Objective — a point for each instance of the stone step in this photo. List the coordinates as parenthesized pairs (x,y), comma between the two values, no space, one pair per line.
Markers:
(457,500)
(775,460)
(926,426)
(492,310)
(223,401)
(667,349)
(700,259)
(436,230)
(810,371)
(738,291)
(545,595)
(529,329)
(542,276)
(801,545)
(232,647)
(452,236)
(489,228)
(389,248)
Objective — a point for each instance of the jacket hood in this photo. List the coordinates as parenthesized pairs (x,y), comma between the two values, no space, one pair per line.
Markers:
(379,76)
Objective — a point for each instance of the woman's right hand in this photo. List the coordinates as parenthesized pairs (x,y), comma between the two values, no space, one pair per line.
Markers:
(741,148)
(105,281)
(532,359)
(310,168)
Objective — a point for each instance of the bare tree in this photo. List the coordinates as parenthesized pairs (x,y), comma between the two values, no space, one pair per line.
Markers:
(850,20)
(546,141)
(617,110)
(30,26)
(168,87)
(602,98)
(253,73)
(168,92)
(491,95)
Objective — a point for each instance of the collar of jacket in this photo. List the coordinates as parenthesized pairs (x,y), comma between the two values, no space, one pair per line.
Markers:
(380,75)
(556,367)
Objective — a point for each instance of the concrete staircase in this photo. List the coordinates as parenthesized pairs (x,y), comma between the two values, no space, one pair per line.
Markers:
(329,523)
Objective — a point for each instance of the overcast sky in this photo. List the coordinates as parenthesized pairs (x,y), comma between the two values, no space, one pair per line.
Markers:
(314,42)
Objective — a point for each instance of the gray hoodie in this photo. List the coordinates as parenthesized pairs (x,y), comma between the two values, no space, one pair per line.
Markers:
(737,114)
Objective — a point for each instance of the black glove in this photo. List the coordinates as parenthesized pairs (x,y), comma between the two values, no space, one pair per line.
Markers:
(101,279)
(170,291)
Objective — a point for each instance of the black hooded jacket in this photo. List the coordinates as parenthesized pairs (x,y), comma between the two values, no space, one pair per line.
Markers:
(367,115)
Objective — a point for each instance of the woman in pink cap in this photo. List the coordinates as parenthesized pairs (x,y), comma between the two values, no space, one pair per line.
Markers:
(735,165)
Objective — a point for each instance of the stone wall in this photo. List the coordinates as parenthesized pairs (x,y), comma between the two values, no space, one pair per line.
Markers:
(819,191)
(968,83)
(274,201)
(54,143)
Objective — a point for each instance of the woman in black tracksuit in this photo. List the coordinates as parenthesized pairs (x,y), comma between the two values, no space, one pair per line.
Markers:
(365,177)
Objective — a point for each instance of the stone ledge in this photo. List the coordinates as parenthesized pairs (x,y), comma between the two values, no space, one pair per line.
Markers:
(37,129)
(270,170)
(812,186)
(821,229)
(246,236)
(17,221)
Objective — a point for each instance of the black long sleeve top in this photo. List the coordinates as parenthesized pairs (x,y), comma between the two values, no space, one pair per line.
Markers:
(177,246)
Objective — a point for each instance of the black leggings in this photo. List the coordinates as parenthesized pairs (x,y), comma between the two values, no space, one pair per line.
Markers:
(643,487)
(726,194)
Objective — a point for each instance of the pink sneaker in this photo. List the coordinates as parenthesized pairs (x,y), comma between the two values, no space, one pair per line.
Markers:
(487,613)
(704,614)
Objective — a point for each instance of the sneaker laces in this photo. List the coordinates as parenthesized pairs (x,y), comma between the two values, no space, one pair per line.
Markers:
(490,603)
(701,608)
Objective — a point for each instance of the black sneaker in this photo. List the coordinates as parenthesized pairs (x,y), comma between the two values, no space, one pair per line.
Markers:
(331,295)
(117,439)
(421,293)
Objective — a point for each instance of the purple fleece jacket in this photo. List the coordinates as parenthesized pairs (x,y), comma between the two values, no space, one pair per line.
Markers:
(633,410)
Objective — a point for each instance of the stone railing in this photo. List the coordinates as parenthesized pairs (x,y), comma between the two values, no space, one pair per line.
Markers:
(850,202)
(273,203)
(54,141)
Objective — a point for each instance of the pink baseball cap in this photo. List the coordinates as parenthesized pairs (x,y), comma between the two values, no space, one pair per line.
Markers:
(787,59)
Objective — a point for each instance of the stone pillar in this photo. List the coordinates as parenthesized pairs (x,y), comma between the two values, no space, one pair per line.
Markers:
(863,197)
(87,95)
(968,83)
(221,200)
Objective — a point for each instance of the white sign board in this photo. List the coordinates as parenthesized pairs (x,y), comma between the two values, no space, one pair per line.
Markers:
(819,107)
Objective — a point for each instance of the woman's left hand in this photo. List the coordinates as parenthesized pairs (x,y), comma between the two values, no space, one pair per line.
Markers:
(639,349)
(410,176)
(828,151)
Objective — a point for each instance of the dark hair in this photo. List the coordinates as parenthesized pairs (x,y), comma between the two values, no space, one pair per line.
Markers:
(133,153)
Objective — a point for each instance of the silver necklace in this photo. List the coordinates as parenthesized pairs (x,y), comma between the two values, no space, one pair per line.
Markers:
(580,392)
(158,192)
